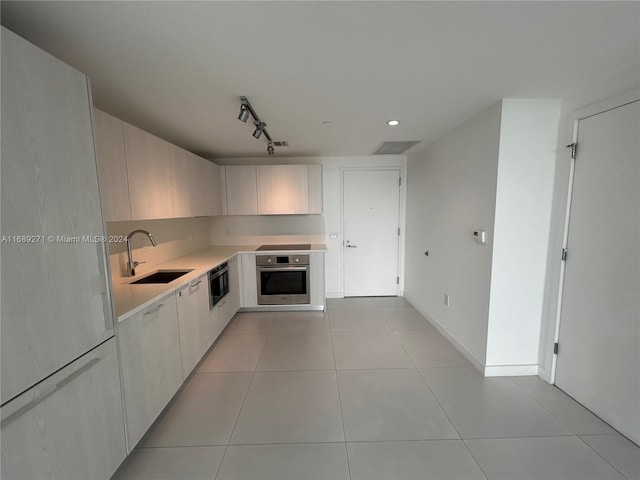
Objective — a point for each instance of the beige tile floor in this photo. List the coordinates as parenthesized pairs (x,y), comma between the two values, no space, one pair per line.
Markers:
(367,390)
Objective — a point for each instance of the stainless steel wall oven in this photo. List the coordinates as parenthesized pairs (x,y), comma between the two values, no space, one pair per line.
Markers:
(218,284)
(283,279)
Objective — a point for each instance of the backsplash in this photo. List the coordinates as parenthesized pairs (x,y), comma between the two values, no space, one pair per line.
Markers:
(263,229)
(175,237)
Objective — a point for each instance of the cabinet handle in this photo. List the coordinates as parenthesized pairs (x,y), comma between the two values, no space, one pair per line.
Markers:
(43,396)
(106,298)
(196,284)
(222,304)
(151,312)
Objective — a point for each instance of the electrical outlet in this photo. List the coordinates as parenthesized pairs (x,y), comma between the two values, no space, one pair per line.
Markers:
(446,300)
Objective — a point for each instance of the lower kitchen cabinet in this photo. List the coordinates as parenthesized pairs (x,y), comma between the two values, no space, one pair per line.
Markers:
(248,282)
(151,364)
(69,426)
(197,331)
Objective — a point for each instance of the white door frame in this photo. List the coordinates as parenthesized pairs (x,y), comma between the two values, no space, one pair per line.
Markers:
(582,114)
(401,220)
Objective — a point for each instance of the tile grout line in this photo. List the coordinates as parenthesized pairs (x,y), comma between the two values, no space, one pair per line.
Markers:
(424,380)
(246,394)
(344,433)
(597,453)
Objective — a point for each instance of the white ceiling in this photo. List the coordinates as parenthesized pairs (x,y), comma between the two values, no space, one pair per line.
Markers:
(177,69)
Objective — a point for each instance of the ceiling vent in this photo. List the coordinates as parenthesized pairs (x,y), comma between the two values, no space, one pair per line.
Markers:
(394,148)
(281,144)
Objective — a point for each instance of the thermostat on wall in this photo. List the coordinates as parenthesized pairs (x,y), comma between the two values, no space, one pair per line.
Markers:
(480,236)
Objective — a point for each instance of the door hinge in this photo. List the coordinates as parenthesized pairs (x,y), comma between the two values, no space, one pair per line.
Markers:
(399,181)
(564,254)
(397,280)
(574,147)
(555,348)
(398,232)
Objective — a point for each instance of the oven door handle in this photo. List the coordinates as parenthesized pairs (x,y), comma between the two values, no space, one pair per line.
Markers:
(284,269)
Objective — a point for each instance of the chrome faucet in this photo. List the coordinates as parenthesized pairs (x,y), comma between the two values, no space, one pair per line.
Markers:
(131,265)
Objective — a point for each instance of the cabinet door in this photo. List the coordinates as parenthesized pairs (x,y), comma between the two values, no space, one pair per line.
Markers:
(317,282)
(196,330)
(184,181)
(248,280)
(241,190)
(151,365)
(234,285)
(315,189)
(283,189)
(149,173)
(112,167)
(214,201)
(55,300)
(68,426)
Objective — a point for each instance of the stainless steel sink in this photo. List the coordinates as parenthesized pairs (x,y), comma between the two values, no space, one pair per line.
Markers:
(161,276)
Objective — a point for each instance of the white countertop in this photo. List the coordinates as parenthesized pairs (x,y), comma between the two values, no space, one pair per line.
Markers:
(130,299)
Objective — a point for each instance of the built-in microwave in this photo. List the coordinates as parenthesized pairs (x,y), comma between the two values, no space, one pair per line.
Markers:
(218,284)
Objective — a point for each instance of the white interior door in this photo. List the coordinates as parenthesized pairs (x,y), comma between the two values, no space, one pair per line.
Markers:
(371,206)
(598,359)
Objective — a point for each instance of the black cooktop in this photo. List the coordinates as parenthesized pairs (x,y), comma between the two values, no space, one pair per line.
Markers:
(301,246)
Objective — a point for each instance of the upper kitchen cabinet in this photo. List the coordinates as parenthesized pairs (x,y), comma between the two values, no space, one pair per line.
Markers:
(272,189)
(191,188)
(149,173)
(213,194)
(112,167)
(315,189)
(55,297)
(241,193)
(283,189)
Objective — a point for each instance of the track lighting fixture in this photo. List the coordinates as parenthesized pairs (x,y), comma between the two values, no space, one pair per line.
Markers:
(259,129)
(244,113)
(245,110)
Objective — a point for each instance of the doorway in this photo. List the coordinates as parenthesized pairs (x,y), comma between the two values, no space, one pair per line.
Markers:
(371,232)
(598,356)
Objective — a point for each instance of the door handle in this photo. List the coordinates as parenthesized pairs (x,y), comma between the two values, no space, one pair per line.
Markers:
(348,245)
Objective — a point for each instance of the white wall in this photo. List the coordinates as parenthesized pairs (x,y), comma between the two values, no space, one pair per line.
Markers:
(617,84)
(528,139)
(308,228)
(451,192)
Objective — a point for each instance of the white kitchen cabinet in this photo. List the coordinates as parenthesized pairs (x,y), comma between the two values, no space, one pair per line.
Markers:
(70,426)
(55,290)
(149,174)
(316,280)
(196,330)
(241,193)
(230,304)
(248,280)
(151,365)
(315,189)
(112,167)
(213,192)
(283,189)
(192,184)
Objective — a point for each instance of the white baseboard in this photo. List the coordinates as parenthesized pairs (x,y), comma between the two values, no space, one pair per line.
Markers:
(334,295)
(544,374)
(510,370)
(445,333)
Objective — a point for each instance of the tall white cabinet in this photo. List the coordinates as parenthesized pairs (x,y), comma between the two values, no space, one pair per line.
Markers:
(57,322)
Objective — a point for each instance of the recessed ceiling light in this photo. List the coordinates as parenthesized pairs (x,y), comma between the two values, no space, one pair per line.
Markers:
(393,123)
(326,123)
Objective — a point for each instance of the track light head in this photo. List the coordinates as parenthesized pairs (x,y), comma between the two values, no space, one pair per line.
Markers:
(244,113)
(258,131)
(270,149)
